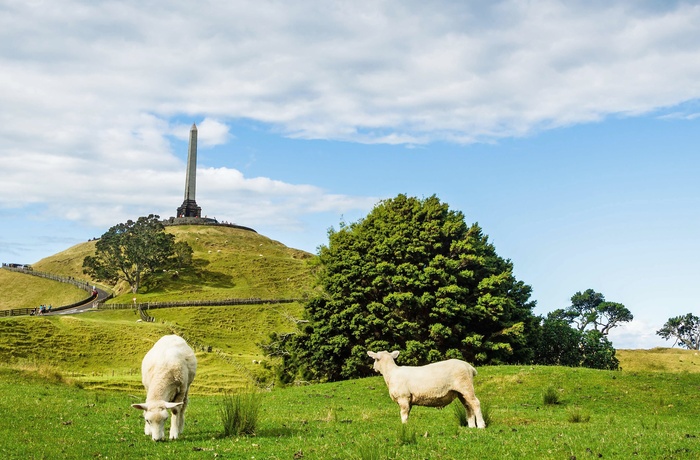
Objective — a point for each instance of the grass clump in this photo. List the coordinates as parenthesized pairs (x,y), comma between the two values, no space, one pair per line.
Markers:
(460,413)
(576,415)
(406,436)
(550,397)
(239,413)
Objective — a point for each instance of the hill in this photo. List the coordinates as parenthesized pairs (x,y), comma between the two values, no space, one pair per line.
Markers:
(22,291)
(228,263)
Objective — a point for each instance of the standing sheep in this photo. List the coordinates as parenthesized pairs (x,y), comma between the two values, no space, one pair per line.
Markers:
(167,371)
(433,385)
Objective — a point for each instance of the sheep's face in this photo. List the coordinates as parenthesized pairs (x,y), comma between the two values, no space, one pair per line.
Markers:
(155,413)
(155,422)
(381,358)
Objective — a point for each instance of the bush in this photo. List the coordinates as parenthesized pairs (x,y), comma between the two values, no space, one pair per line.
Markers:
(239,413)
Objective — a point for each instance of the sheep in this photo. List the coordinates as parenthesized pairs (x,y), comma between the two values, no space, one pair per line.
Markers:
(433,385)
(167,371)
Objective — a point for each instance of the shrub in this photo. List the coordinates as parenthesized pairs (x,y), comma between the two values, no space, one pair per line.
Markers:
(239,413)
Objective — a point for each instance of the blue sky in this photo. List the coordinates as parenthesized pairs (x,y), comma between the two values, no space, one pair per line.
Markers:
(568,130)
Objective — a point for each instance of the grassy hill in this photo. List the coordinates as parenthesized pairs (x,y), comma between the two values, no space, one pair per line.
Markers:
(23,291)
(229,263)
(103,349)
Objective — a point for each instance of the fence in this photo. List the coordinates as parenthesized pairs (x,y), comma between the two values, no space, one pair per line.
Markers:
(192,303)
(63,279)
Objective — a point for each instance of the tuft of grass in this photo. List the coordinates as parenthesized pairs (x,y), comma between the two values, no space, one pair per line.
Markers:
(370,451)
(239,413)
(550,397)
(576,415)
(406,436)
(460,413)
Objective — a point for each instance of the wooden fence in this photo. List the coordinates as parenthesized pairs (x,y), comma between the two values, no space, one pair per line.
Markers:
(192,303)
(63,279)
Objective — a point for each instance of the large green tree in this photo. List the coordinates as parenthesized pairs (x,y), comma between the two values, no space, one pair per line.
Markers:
(131,250)
(413,276)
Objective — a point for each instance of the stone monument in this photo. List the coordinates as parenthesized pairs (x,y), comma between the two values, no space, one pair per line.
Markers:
(189,206)
(189,213)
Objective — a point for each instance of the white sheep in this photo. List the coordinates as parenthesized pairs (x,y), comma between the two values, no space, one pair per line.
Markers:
(167,371)
(433,385)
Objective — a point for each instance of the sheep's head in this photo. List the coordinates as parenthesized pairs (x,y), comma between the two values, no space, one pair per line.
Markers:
(381,358)
(156,413)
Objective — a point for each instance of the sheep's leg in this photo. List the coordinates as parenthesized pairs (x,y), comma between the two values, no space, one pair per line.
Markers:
(474,417)
(405,407)
(147,429)
(178,421)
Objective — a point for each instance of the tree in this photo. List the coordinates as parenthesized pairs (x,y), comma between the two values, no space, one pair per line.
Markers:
(410,276)
(562,345)
(131,250)
(589,309)
(559,343)
(684,329)
(597,351)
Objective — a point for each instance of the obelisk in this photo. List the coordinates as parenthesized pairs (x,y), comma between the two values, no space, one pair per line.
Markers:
(189,207)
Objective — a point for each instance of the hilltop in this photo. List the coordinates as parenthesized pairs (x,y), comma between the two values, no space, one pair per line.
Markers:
(228,263)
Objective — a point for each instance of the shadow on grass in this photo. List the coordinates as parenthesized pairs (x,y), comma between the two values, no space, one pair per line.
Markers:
(186,280)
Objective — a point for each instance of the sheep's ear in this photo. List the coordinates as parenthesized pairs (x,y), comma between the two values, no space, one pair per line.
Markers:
(395,354)
(372,354)
(171,405)
(141,406)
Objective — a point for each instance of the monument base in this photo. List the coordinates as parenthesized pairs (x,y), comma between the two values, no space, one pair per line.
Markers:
(189,208)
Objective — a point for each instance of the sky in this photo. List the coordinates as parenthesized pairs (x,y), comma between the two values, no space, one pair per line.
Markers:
(568,130)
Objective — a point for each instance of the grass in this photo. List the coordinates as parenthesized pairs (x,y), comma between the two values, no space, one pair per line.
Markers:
(85,346)
(24,291)
(550,396)
(240,413)
(49,419)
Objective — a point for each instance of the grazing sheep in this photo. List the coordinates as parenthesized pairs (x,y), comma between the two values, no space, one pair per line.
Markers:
(433,385)
(167,371)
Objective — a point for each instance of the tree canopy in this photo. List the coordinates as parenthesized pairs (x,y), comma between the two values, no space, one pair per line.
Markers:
(589,310)
(131,250)
(413,276)
(684,329)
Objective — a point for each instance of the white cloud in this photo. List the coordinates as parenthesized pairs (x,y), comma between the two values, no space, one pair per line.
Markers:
(92,91)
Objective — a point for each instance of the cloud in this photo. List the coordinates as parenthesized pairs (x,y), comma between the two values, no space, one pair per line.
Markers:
(93,93)
(367,71)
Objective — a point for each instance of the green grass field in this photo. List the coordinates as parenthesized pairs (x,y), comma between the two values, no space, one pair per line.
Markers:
(601,414)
